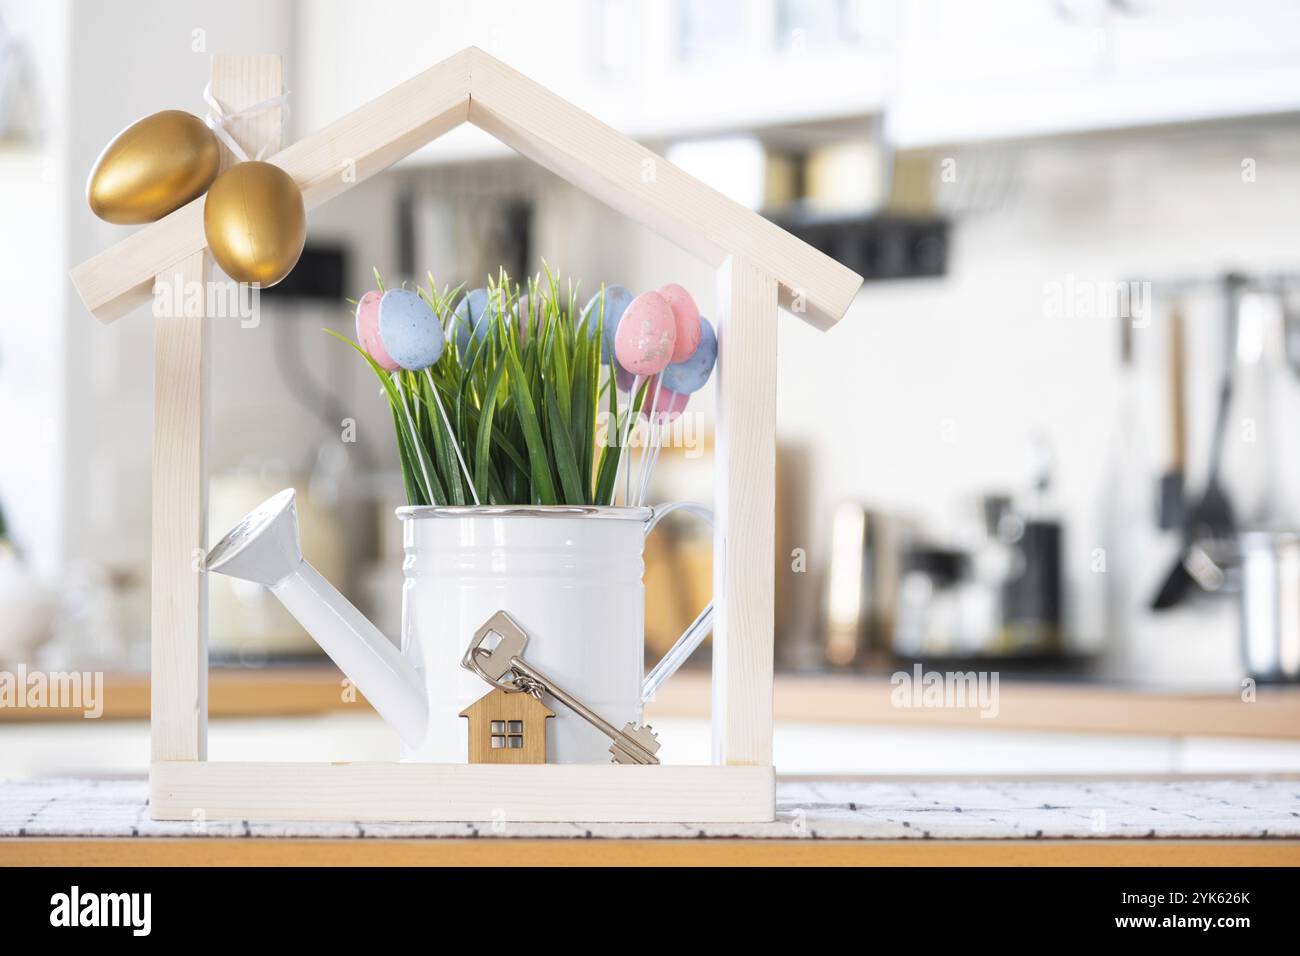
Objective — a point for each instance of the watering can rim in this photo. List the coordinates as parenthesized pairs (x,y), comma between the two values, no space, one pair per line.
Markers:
(419,512)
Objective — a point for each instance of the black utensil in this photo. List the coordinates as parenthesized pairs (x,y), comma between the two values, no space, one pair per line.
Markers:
(1210,520)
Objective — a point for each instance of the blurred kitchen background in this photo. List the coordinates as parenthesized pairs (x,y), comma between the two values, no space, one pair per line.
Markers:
(1077,220)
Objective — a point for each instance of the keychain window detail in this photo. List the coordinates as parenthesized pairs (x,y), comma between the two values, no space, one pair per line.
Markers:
(507,735)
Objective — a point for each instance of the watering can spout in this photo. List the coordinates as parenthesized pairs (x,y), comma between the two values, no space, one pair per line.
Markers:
(263,547)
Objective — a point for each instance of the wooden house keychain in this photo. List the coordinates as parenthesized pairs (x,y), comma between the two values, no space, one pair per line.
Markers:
(503,666)
(507,727)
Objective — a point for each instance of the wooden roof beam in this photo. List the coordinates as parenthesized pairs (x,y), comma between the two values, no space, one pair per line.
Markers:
(474,86)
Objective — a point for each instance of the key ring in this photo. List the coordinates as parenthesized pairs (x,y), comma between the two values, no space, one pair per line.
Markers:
(527,685)
(516,684)
(470,660)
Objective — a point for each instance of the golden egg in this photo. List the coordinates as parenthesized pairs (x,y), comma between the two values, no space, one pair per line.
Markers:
(255,222)
(153,167)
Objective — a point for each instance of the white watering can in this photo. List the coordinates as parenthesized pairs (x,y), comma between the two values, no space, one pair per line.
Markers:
(570,575)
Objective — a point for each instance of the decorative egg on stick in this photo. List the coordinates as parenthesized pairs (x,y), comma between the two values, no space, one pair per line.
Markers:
(643,345)
(472,319)
(686,316)
(409,329)
(412,335)
(668,407)
(678,382)
(646,335)
(530,310)
(370,339)
(607,307)
(368,330)
(691,374)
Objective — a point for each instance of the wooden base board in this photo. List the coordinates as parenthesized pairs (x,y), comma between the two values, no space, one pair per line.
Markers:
(393,792)
(515,851)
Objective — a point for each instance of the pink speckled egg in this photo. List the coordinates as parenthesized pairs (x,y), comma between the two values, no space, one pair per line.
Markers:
(647,334)
(368,330)
(666,406)
(670,405)
(686,317)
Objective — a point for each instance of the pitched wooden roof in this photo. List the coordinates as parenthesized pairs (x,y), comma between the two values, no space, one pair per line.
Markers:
(498,704)
(474,87)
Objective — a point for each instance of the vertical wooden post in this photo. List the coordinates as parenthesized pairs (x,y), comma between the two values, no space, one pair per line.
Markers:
(744,535)
(179,631)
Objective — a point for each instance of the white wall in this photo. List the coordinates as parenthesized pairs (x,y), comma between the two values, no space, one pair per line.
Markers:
(33,229)
(129,59)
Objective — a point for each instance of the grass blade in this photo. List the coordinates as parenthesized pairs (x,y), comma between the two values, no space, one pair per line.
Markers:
(565,461)
(539,467)
(483,444)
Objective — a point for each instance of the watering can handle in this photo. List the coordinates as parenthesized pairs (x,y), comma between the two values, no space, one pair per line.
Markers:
(699,629)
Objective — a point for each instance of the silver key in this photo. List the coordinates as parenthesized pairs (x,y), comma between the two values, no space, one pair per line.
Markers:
(503,665)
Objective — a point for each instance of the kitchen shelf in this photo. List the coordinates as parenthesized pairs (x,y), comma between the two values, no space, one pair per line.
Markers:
(1038,705)
(277,691)
(845,699)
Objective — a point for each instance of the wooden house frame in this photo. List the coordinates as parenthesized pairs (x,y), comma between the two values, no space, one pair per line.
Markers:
(759,268)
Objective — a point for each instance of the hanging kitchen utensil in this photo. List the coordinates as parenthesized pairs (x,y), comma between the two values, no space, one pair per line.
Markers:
(1291,331)
(1209,523)
(1171,482)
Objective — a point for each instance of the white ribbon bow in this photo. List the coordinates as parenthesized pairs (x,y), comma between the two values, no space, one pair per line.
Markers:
(218,119)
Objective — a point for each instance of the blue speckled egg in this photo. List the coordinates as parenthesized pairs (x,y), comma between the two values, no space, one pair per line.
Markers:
(623,378)
(409,329)
(690,374)
(617,299)
(472,316)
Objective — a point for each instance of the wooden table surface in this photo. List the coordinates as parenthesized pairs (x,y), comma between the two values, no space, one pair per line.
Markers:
(821,821)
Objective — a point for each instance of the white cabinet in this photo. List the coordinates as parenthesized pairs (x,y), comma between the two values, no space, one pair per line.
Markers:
(650,70)
(944,71)
(1026,68)
(742,64)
